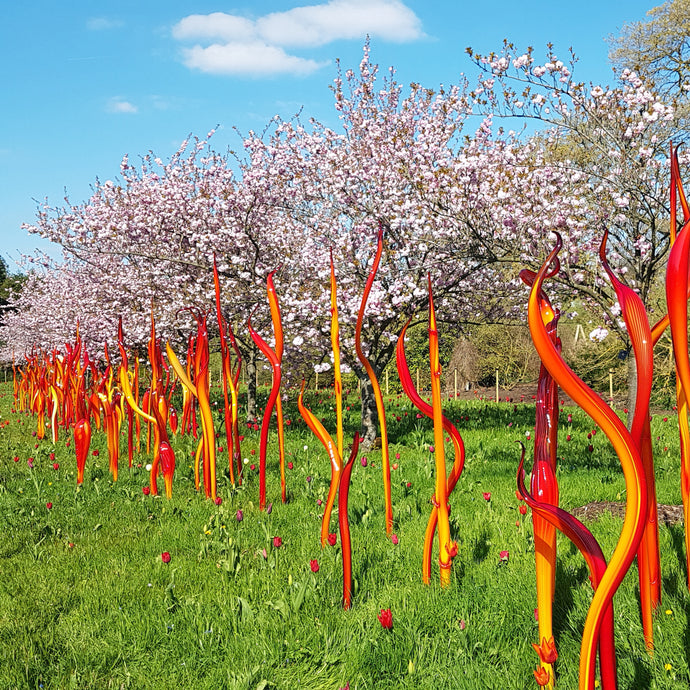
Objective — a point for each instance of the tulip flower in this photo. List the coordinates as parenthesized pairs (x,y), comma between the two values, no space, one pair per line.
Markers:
(386,619)
(542,676)
(314,565)
(546,651)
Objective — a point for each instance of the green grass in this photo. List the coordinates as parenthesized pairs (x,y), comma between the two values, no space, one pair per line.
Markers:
(86,601)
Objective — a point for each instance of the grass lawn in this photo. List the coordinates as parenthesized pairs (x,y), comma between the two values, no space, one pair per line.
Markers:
(86,600)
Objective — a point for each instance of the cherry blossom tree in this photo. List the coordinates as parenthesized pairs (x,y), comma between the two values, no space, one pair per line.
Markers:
(465,210)
(616,141)
(468,210)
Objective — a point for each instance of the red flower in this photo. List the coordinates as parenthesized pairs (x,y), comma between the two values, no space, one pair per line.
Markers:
(49,505)
(505,555)
(95,452)
(52,455)
(541,675)
(394,539)
(314,565)
(56,466)
(487,495)
(386,619)
(523,510)
(146,491)
(218,500)
(332,539)
(290,465)
(277,542)
(252,451)
(165,557)
(546,650)
(252,467)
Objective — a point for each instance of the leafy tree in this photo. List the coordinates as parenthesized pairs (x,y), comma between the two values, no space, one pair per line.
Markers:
(658,48)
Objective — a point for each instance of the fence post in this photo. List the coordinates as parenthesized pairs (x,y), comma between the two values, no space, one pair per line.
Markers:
(610,384)
(316,385)
(417,379)
(496,385)
(387,392)
(455,382)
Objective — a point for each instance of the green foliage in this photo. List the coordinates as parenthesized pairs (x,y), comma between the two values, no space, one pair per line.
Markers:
(506,348)
(87,602)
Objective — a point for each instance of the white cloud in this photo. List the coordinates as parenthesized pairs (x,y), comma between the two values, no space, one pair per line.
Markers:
(103,24)
(252,59)
(231,44)
(316,25)
(117,105)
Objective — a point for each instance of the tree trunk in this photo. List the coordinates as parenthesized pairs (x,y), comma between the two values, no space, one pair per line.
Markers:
(251,384)
(370,416)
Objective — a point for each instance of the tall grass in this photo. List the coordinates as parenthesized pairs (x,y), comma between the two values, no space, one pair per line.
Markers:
(86,600)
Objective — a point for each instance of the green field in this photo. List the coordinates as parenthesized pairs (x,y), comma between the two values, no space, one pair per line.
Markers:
(86,600)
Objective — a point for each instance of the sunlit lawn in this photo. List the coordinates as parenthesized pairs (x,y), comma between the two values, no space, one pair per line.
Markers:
(86,600)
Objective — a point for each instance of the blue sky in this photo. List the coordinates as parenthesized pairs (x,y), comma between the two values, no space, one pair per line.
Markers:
(85,83)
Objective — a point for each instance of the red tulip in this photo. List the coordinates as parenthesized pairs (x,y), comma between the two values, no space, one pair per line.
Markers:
(165,557)
(547,650)
(314,565)
(386,619)
(541,675)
